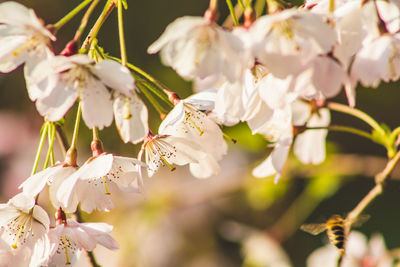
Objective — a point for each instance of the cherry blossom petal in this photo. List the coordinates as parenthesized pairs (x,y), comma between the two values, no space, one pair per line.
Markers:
(93,97)
(131,118)
(115,76)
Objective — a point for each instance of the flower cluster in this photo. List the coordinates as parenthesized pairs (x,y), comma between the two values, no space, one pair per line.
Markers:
(274,73)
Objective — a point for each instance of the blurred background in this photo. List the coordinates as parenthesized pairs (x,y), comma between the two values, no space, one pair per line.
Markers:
(232,219)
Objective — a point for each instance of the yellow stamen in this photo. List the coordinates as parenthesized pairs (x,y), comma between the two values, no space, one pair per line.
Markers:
(195,125)
(166,162)
(15,245)
(66,255)
(105,186)
(19,49)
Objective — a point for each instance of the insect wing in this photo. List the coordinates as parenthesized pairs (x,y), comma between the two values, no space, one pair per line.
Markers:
(360,220)
(313,228)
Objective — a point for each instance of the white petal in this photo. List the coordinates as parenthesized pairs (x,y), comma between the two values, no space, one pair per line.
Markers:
(207,167)
(204,100)
(11,56)
(66,193)
(96,166)
(309,146)
(114,75)
(22,202)
(40,215)
(95,95)
(179,27)
(14,13)
(100,232)
(131,118)
(58,102)
(175,116)
(35,184)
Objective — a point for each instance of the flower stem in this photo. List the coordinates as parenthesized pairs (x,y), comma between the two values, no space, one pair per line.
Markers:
(85,20)
(76,128)
(241,4)
(51,134)
(121,34)
(95,134)
(341,128)
(96,27)
(151,98)
(152,84)
(71,14)
(232,11)
(40,147)
(259,7)
(358,114)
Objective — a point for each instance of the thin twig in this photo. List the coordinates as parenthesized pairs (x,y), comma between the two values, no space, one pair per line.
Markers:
(376,191)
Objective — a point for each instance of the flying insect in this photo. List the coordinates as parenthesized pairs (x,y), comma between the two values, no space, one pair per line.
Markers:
(334,228)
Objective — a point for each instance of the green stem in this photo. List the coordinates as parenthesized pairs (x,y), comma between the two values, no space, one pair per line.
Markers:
(232,11)
(95,30)
(154,85)
(151,98)
(76,128)
(71,14)
(121,34)
(40,148)
(347,129)
(95,134)
(259,7)
(85,20)
(357,113)
(51,134)
(241,4)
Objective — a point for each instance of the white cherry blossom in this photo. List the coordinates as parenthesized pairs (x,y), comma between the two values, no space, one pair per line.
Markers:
(96,180)
(67,78)
(187,121)
(71,237)
(23,38)
(378,60)
(131,118)
(23,229)
(322,78)
(288,40)
(197,47)
(23,221)
(166,150)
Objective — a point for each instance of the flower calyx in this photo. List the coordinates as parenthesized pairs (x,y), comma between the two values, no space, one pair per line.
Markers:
(97,148)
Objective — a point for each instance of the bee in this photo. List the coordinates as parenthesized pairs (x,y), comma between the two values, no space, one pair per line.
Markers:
(334,228)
